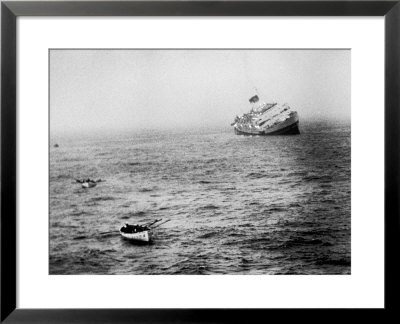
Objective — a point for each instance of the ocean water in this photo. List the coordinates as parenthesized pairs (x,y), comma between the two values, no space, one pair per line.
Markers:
(237,205)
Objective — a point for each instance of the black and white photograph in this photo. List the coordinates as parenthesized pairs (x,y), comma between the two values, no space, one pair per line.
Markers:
(199,161)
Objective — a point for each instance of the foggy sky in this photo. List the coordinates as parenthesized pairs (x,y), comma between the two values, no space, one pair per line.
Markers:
(94,90)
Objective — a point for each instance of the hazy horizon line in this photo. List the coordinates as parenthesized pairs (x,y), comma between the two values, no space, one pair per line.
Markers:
(179,128)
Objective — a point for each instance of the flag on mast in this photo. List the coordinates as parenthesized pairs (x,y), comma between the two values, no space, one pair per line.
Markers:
(254,99)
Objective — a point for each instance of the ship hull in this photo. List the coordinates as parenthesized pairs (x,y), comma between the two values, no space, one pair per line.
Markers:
(143,236)
(292,129)
(88,184)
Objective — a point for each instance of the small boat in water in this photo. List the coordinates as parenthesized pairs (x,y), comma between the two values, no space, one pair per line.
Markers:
(136,233)
(139,233)
(89,184)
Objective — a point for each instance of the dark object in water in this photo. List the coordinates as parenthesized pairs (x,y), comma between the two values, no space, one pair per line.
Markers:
(56,145)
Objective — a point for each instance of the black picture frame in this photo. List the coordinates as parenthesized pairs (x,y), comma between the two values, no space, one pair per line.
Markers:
(11,10)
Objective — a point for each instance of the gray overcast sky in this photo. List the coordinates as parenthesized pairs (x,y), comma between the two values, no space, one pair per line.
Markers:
(135,89)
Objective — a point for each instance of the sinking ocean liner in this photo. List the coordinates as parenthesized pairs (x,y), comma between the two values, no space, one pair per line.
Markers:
(267,119)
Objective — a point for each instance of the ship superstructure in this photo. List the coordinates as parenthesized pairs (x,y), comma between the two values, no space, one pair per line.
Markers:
(267,119)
